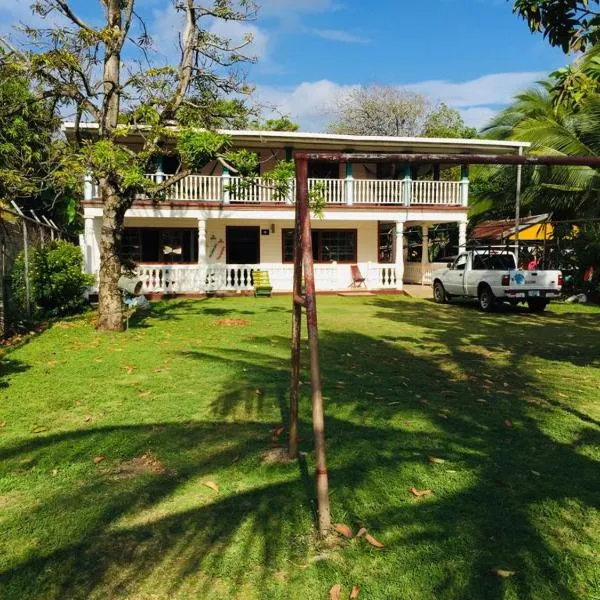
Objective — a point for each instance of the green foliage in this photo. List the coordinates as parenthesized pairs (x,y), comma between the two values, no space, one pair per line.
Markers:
(446,122)
(243,161)
(283,123)
(56,280)
(571,24)
(209,112)
(197,148)
(280,178)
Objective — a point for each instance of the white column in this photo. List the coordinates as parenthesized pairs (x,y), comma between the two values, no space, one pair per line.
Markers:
(399,255)
(462,236)
(88,187)
(349,184)
(91,247)
(201,241)
(226,183)
(464,186)
(425,253)
(407,191)
(159,175)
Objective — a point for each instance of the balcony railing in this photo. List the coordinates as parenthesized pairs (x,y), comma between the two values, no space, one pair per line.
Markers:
(337,192)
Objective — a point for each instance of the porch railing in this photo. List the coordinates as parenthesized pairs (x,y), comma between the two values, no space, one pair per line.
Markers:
(190,279)
(338,192)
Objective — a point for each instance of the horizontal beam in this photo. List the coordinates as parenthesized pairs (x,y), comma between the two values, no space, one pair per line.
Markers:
(452,159)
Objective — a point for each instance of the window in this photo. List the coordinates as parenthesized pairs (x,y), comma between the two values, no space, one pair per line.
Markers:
(494,262)
(461,262)
(329,245)
(323,170)
(151,245)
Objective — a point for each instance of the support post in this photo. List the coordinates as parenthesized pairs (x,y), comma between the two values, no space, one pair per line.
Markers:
(464,185)
(462,236)
(425,253)
(26,261)
(297,304)
(159,175)
(201,241)
(349,184)
(226,177)
(407,185)
(518,207)
(88,187)
(399,254)
(322,482)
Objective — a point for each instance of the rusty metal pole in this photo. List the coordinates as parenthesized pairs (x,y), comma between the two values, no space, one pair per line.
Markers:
(318,416)
(296,336)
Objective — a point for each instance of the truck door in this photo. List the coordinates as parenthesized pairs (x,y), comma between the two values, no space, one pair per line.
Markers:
(455,277)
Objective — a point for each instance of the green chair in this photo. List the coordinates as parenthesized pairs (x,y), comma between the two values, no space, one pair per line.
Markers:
(262,284)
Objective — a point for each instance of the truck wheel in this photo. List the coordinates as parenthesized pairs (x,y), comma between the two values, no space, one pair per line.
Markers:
(537,305)
(487,300)
(439,293)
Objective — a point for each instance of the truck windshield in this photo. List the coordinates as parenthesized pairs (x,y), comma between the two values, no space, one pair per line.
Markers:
(493,262)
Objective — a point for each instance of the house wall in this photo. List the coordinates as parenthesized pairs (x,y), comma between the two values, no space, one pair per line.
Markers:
(270,245)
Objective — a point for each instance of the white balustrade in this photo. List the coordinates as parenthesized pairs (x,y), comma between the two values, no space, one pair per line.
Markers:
(437,192)
(207,188)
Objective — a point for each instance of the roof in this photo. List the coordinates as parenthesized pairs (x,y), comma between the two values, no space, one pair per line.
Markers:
(300,140)
(505,229)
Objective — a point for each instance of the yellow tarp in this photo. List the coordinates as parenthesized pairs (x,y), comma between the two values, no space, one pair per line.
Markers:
(535,232)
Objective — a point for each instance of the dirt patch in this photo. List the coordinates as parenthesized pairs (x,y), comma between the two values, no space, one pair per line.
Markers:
(147,464)
(233,323)
(275,456)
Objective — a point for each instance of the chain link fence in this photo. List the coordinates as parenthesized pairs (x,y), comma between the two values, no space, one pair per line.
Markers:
(19,232)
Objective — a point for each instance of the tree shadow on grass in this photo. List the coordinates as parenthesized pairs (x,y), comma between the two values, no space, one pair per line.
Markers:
(503,498)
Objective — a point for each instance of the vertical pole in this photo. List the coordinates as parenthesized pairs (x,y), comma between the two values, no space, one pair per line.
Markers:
(464,186)
(518,207)
(159,175)
(407,185)
(201,241)
(462,236)
(349,184)
(88,187)
(226,178)
(296,336)
(322,482)
(26,259)
(425,253)
(399,254)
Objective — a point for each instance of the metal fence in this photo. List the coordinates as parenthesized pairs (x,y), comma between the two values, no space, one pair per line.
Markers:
(20,231)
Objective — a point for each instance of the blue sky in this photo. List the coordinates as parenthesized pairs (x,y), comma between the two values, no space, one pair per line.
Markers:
(472,54)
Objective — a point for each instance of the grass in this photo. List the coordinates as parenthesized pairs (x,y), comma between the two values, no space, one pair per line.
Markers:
(190,394)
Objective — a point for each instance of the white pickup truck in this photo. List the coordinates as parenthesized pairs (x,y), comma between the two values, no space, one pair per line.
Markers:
(493,277)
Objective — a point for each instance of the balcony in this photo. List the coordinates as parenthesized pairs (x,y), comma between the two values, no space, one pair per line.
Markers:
(338,192)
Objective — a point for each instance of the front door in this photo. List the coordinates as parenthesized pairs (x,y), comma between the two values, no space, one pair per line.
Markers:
(243,245)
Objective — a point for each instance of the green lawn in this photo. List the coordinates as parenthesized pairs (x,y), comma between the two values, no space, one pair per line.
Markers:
(508,401)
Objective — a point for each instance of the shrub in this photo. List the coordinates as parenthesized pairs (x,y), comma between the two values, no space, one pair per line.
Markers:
(56,280)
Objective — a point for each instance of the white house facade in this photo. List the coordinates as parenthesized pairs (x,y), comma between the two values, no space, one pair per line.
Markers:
(206,237)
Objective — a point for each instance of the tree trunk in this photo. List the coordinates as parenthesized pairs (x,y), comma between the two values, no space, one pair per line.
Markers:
(110,303)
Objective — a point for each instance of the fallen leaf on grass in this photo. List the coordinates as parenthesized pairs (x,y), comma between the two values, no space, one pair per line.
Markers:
(87,419)
(128,369)
(2,424)
(39,429)
(335,593)
(361,532)
(54,472)
(503,572)
(481,400)
(536,473)
(99,459)
(508,424)
(375,543)
(434,460)
(344,530)
(417,494)
(277,432)
(212,485)
(354,593)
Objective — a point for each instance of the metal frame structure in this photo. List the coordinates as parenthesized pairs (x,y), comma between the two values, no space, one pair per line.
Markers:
(304,270)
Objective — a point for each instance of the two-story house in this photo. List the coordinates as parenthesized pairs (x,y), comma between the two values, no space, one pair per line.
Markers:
(205,237)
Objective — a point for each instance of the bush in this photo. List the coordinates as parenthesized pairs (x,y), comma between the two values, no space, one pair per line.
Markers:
(56,280)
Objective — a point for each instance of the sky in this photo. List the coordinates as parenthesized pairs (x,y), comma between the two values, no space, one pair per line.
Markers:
(471,54)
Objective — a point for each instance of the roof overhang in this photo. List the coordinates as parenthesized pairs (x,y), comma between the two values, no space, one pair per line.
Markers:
(303,141)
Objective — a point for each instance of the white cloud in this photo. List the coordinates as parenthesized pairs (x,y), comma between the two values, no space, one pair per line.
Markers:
(478,100)
(498,88)
(238,32)
(338,35)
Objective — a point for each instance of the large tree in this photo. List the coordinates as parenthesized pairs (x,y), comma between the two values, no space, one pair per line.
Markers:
(389,110)
(570,24)
(107,66)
